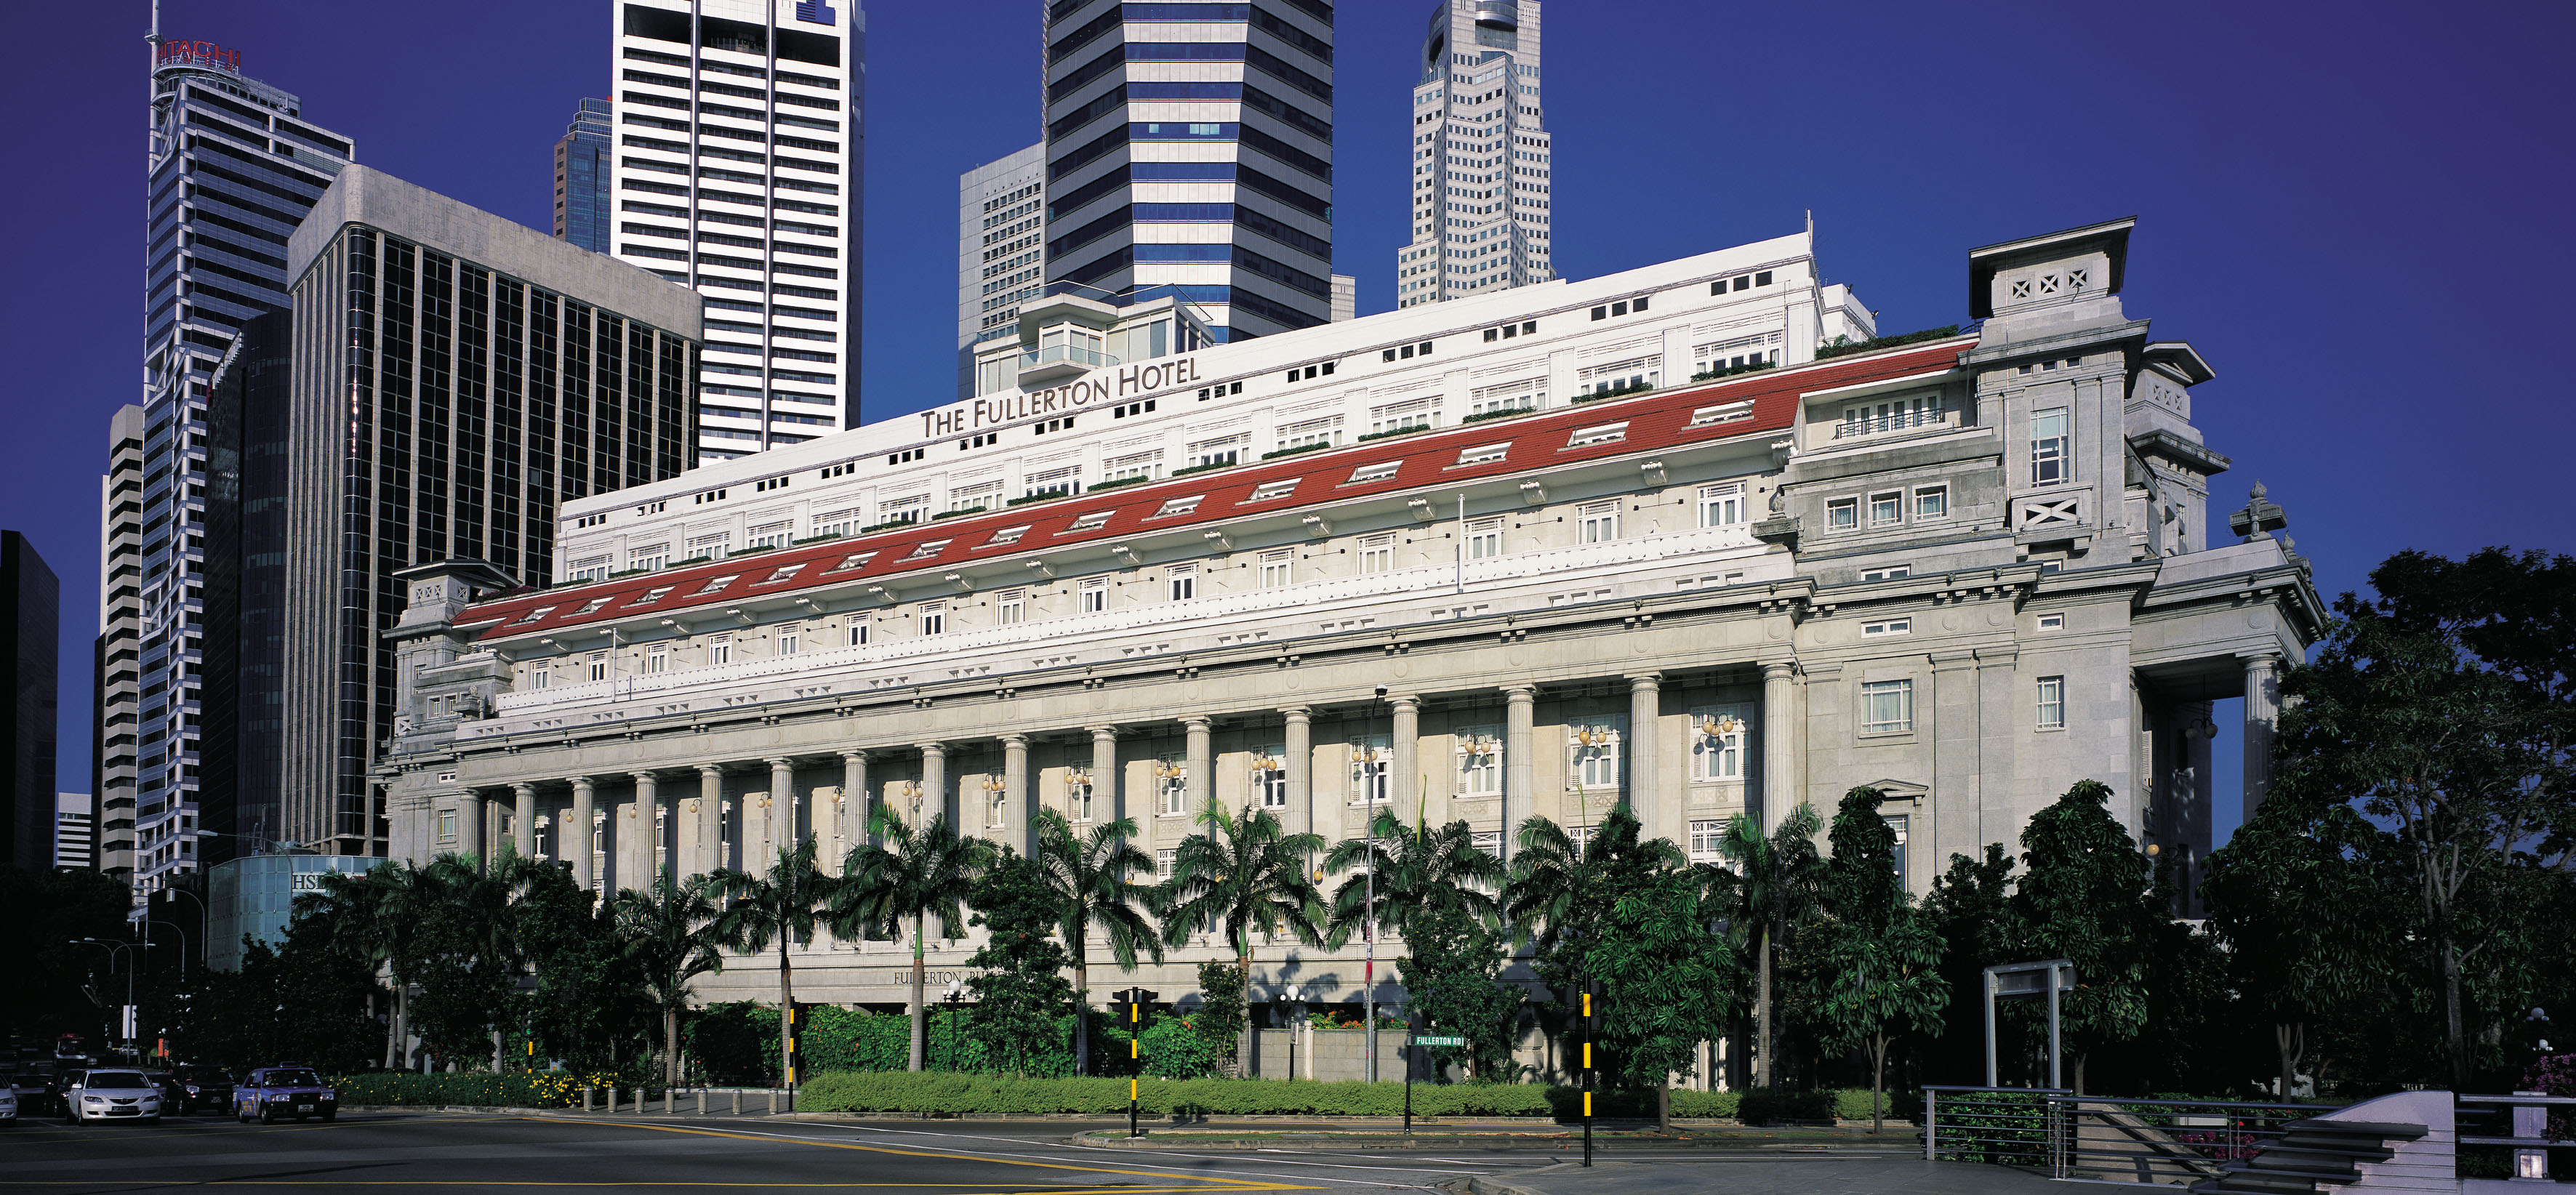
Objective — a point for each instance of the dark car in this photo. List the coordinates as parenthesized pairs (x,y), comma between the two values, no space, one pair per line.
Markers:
(192,1087)
(37,1085)
(272,1093)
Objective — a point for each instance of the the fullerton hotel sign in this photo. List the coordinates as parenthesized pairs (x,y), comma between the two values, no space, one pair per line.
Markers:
(1099,386)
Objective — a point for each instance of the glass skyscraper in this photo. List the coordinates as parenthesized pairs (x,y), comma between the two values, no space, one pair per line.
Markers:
(582,162)
(1189,152)
(233,167)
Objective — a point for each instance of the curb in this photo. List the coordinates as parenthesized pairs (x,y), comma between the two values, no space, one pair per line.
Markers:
(1351,1143)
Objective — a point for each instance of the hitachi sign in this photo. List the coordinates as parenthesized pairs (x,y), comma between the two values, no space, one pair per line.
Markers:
(1135,381)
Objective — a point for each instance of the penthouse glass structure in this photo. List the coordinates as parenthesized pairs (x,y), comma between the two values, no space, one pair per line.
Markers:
(582,162)
(1189,154)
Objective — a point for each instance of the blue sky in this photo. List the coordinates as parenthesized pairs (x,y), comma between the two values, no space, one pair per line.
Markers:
(2354,211)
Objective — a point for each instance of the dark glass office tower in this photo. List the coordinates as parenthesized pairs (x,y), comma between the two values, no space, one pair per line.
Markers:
(581,178)
(242,694)
(31,616)
(1212,122)
(233,167)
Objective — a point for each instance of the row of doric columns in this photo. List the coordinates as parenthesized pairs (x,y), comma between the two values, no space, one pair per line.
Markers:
(615,840)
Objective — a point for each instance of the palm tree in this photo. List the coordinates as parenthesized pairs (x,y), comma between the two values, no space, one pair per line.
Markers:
(1247,872)
(670,936)
(1555,881)
(1413,873)
(909,873)
(1090,877)
(374,917)
(780,904)
(1775,882)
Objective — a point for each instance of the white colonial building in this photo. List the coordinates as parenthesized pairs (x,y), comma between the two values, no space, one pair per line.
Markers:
(1542,552)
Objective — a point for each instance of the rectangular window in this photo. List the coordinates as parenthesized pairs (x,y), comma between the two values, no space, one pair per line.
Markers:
(1887,572)
(1163,860)
(854,560)
(1077,799)
(447,825)
(858,632)
(1899,825)
(1705,836)
(928,549)
(1377,472)
(1480,761)
(1377,554)
(788,638)
(2052,622)
(1270,777)
(542,676)
(1717,743)
(1931,502)
(1184,581)
(1887,626)
(2052,703)
(1091,521)
(1725,412)
(1094,596)
(1271,490)
(1370,757)
(1596,763)
(1887,706)
(1886,509)
(1172,783)
(1597,523)
(1842,514)
(1011,608)
(1721,505)
(2048,447)
(931,618)
(720,651)
(716,584)
(1485,455)
(1484,538)
(1607,433)
(599,666)
(1006,537)
(1177,507)
(1273,571)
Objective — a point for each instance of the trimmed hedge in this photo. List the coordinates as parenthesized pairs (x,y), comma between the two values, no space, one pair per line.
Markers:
(932,1092)
(470,1089)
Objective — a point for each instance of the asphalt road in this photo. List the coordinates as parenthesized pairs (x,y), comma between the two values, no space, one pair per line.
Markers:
(387,1153)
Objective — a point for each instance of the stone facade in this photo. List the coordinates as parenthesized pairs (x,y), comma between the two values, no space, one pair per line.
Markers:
(1969,570)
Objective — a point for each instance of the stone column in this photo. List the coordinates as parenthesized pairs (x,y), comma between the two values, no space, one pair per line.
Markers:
(1299,756)
(1647,799)
(1015,794)
(934,785)
(1779,742)
(711,847)
(523,819)
(1520,758)
(2262,713)
(857,803)
(1107,799)
(469,829)
(646,866)
(1201,782)
(573,841)
(1404,742)
(782,812)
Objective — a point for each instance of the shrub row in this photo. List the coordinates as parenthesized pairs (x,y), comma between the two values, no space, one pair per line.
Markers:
(470,1089)
(933,1092)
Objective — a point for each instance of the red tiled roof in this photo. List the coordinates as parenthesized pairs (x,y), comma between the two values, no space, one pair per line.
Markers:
(1656,420)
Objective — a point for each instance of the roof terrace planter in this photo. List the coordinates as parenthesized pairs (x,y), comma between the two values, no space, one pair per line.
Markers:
(1392,432)
(1117,482)
(826,537)
(957,514)
(1840,347)
(1613,392)
(1505,413)
(1206,468)
(1317,446)
(1732,370)
(1046,495)
(888,525)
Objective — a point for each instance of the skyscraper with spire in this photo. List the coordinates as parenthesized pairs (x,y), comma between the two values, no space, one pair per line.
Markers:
(1481,156)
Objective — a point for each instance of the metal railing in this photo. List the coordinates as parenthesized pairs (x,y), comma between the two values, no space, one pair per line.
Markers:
(1092,358)
(2150,1142)
(2520,1122)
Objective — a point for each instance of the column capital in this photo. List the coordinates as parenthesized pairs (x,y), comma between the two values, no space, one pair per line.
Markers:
(580,783)
(2260,659)
(647,776)
(1408,702)
(523,790)
(1102,733)
(1196,721)
(1521,692)
(1645,680)
(1296,713)
(1015,739)
(1779,669)
(779,761)
(710,771)
(856,755)
(932,748)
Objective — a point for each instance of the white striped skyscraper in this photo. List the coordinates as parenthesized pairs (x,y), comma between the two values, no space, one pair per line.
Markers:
(1480,156)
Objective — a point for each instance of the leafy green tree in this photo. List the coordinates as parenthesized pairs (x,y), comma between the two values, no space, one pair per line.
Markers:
(2443,708)
(1091,876)
(461,956)
(1669,983)
(1242,873)
(780,905)
(1416,871)
(1776,879)
(1881,973)
(43,917)
(1019,983)
(909,874)
(669,937)
(1452,972)
(2086,895)
(1221,1018)
(585,997)
(1969,912)
(1562,896)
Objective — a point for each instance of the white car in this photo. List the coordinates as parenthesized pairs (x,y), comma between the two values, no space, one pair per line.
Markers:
(98,1095)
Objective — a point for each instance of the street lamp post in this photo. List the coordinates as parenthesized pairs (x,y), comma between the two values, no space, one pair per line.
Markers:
(956,990)
(1368,972)
(113,949)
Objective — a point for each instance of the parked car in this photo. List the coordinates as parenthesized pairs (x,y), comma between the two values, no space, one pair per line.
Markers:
(195,1086)
(34,1085)
(274,1092)
(110,1094)
(8,1106)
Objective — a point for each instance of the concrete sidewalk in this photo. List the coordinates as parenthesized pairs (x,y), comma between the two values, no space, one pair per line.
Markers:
(1722,1175)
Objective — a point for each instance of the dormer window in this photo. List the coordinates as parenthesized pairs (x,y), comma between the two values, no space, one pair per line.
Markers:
(783,574)
(655,594)
(536,615)
(717,584)
(589,606)
(930,549)
(851,561)
(1269,491)
(1091,521)
(1178,507)
(1376,472)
